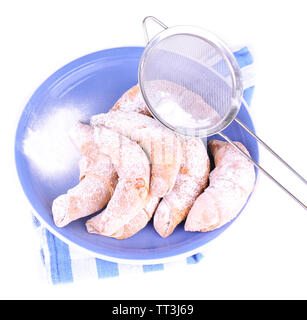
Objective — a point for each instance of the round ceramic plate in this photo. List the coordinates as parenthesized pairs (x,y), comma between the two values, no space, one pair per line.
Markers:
(84,87)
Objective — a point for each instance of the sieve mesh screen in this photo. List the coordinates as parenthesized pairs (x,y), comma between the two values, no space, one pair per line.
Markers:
(186,80)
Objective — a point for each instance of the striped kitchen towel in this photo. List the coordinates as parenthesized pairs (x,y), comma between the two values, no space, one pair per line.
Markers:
(64,263)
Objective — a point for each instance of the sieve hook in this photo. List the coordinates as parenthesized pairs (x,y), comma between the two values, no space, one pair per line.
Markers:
(154,20)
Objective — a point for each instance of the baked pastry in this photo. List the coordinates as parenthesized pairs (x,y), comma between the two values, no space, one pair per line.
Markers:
(140,220)
(163,147)
(131,192)
(231,183)
(132,101)
(98,179)
(180,106)
(191,180)
(130,228)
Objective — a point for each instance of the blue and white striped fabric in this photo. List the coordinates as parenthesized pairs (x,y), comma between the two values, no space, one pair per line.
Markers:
(64,263)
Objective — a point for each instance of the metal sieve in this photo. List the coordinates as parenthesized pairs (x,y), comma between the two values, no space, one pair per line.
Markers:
(190,71)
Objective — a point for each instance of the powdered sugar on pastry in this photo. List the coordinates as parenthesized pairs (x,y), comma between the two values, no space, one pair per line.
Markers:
(132,101)
(231,182)
(162,146)
(84,199)
(131,191)
(98,180)
(133,226)
(191,181)
(141,219)
(179,106)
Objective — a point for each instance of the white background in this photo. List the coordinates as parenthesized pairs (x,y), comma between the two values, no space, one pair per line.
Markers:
(264,253)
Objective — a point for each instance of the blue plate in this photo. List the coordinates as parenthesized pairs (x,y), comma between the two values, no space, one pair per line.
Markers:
(93,83)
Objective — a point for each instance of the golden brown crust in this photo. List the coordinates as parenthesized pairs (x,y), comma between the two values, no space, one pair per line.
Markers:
(231,182)
(131,191)
(140,220)
(98,179)
(132,101)
(161,145)
(191,181)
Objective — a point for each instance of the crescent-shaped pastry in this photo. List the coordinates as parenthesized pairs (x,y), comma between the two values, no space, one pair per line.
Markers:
(140,220)
(132,227)
(191,181)
(131,192)
(98,179)
(231,183)
(162,146)
(132,101)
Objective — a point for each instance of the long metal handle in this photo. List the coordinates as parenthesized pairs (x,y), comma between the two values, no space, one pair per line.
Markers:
(267,147)
(145,27)
(262,170)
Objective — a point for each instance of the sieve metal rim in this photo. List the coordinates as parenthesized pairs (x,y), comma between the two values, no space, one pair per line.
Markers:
(226,53)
